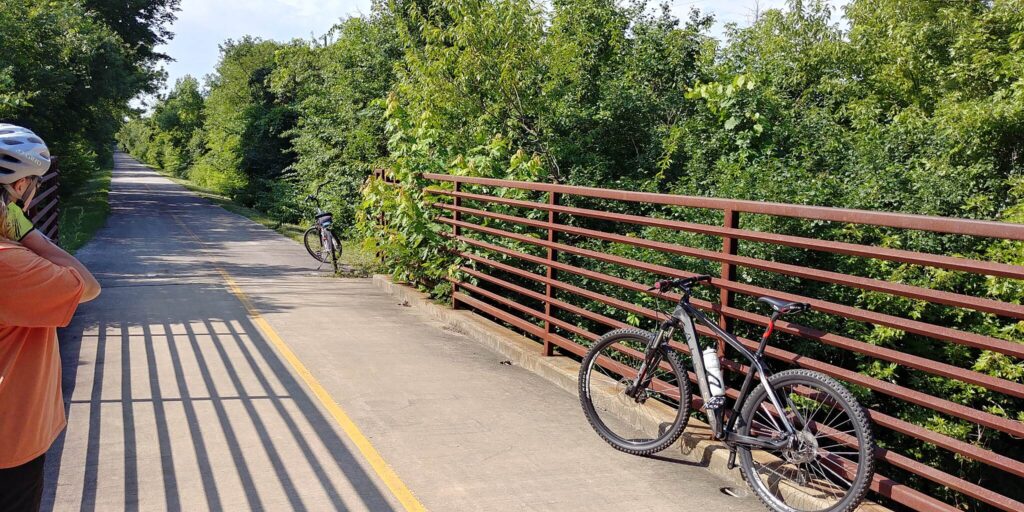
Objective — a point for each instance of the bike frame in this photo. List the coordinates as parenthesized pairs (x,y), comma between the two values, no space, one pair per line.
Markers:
(683,317)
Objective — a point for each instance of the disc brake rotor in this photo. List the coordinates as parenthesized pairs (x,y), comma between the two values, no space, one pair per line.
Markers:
(805,449)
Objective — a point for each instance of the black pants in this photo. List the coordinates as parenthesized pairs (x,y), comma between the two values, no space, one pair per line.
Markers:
(21,487)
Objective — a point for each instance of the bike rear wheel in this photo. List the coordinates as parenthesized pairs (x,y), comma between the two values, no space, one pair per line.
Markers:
(829,467)
(324,253)
(607,372)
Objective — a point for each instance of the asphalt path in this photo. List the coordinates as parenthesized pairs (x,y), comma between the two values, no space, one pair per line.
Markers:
(220,370)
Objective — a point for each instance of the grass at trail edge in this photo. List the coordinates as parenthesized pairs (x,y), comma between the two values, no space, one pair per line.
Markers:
(84,210)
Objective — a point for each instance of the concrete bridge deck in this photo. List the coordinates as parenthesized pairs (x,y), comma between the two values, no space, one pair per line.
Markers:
(220,371)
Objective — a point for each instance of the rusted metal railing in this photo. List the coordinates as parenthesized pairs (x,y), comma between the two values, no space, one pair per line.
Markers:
(482,235)
(44,212)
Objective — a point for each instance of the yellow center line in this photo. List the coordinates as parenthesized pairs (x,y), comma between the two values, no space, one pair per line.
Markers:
(372,456)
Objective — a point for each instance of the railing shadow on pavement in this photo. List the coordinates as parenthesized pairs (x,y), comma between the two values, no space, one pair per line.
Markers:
(222,377)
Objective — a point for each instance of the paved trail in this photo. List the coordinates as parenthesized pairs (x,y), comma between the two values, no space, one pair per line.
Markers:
(178,399)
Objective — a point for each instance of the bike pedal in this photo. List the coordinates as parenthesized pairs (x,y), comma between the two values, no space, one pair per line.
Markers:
(732,458)
(715,403)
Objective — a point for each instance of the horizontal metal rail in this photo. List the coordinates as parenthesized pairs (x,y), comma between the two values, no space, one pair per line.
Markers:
(893,220)
(911,292)
(41,195)
(912,326)
(934,367)
(883,253)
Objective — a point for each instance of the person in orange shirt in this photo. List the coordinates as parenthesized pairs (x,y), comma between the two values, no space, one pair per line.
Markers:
(40,292)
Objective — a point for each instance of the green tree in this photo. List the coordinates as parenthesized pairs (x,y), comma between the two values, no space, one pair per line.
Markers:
(336,87)
(180,116)
(68,73)
(245,125)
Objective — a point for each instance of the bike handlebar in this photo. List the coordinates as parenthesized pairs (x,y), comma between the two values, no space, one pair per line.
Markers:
(684,283)
(315,197)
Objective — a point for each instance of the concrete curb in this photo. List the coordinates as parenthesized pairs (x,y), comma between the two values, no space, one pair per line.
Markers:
(695,445)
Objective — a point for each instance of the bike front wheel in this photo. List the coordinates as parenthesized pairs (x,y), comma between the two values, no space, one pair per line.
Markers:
(335,249)
(829,465)
(609,397)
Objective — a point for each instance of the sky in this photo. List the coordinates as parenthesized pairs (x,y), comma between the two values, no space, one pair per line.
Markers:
(203,24)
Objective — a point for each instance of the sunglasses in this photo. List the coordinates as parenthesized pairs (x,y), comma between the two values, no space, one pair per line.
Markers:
(30,192)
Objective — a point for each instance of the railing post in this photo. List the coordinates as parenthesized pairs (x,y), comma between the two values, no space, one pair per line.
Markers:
(56,209)
(456,201)
(731,219)
(381,219)
(549,348)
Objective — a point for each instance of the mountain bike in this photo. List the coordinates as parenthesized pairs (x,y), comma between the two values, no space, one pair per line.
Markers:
(320,240)
(803,441)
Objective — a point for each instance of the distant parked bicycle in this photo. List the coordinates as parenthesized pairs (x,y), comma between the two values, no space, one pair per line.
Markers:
(320,239)
(804,442)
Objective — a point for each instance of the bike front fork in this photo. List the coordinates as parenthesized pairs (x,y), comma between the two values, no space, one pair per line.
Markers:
(652,359)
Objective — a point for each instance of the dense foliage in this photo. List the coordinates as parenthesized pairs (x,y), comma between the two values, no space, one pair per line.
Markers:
(69,69)
(911,105)
(277,120)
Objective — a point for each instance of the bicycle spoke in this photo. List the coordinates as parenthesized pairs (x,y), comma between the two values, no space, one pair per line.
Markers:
(795,410)
(843,453)
(837,475)
(815,412)
(836,427)
(776,473)
(832,435)
(824,481)
(770,416)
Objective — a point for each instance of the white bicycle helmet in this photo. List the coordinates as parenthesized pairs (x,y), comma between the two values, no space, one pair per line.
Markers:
(22,154)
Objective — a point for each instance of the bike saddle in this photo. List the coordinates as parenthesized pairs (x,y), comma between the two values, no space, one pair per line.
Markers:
(783,307)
